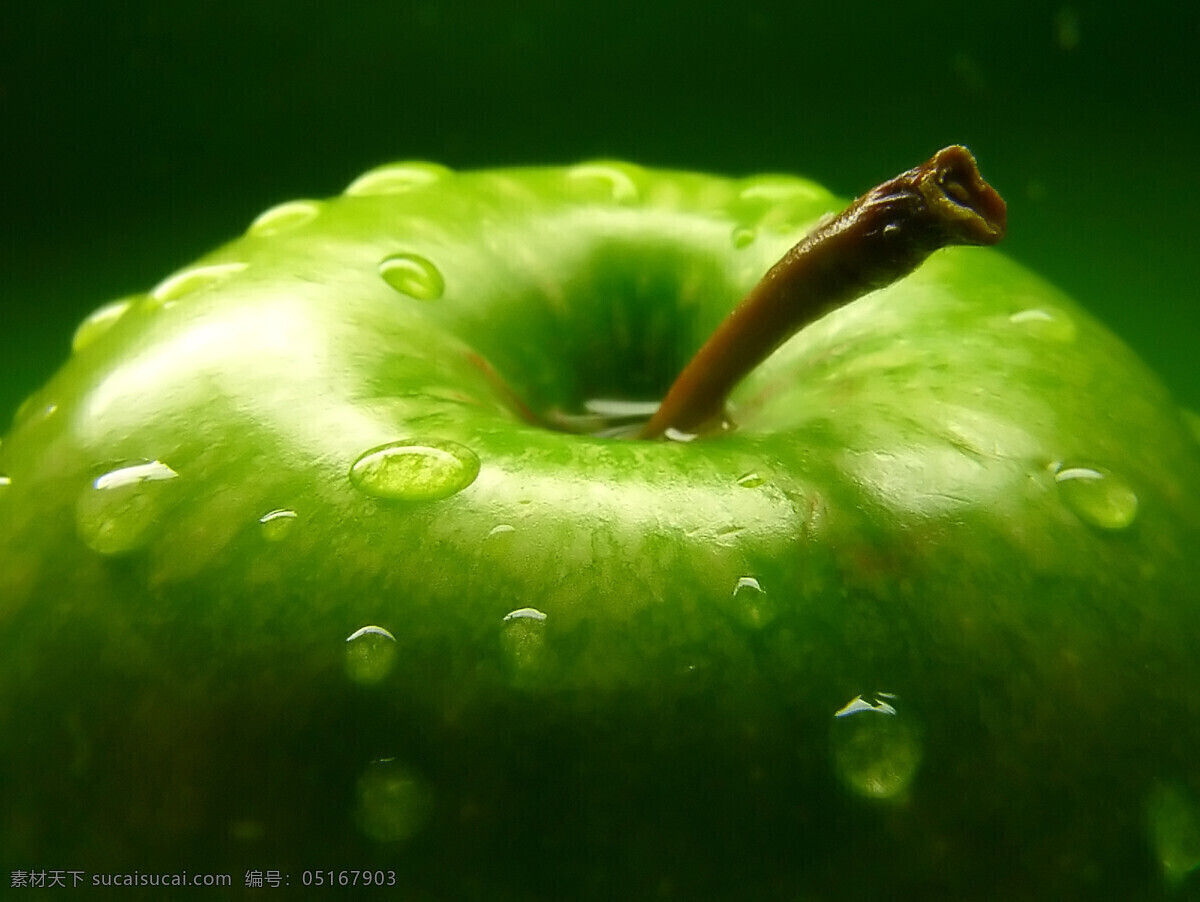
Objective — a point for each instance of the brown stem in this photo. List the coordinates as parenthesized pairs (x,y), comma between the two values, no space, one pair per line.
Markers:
(882,236)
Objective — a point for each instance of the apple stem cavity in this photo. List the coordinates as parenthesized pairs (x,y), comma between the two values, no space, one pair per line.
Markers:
(881,237)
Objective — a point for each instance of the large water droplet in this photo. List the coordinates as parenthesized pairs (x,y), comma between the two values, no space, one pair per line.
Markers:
(393,801)
(522,642)
(743,236)
(192,280)
(751,605)
(614,179)
(98,322)
(415,470)
(1047,323)
(1173,818)
(277,524)
(284,218)
(370,655)
(119,511)
(413,275)
(1097,496)
(396,178)
(876,751)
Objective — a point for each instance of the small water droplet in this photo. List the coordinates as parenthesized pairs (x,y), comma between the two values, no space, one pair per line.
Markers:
(743,236)
(415,470)
(413,275)
(1173,818)
(118,512)
(1097,496)
(750,480)
(501,530)
(396,178)
(752,607)
(370,655)
(284,217)
(1047,323)
(876,750)
(5,482)
(672,434)
(98,322)
(277,524)
(615,180)
(192,280)
(393,801)
(775,188)
(522,642)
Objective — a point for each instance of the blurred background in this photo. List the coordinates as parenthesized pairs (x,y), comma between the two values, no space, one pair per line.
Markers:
(134,136)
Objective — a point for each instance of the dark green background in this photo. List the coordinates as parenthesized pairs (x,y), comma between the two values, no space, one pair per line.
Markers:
(135,136)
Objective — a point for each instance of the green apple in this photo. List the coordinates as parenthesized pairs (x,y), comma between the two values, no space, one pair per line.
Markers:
(321,558)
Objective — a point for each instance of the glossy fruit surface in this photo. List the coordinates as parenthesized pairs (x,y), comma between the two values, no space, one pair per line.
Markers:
(293,575)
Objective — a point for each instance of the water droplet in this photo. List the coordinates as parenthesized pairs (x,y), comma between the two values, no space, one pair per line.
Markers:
(876,750)
(776,188)
(284,218)
(615,179)
(98,322)
(277,524)
(751,605)
(1173,818)
(750,480)
(415,470)
(5,482)
(672,434)
(501,530)
(393,803)
(413,275)
(370,655)
(1097,496)
(396,178)
(118,512)
(192,280)
(1046,322)
(522,642)
(743,236)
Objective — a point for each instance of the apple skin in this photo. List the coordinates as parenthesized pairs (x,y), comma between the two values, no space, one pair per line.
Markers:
(960,497)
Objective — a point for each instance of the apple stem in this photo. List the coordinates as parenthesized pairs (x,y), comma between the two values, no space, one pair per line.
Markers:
(882,236)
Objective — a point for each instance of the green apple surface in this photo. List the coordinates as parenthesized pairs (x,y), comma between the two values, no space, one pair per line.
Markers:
(294,576)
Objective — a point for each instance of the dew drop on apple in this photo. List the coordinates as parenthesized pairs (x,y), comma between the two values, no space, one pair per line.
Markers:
(751,604)
(614,181)
(193,280)
(284,218)
(370,655)
(98,322)
(877,750)
(393,801)
(1097,497)
(523,643)
(415,470)
(743,236)
(277,524)
(5,482)
(413,275)
(1173,822)
(397,178)
(1047,323)
(750,480)
(119,511)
